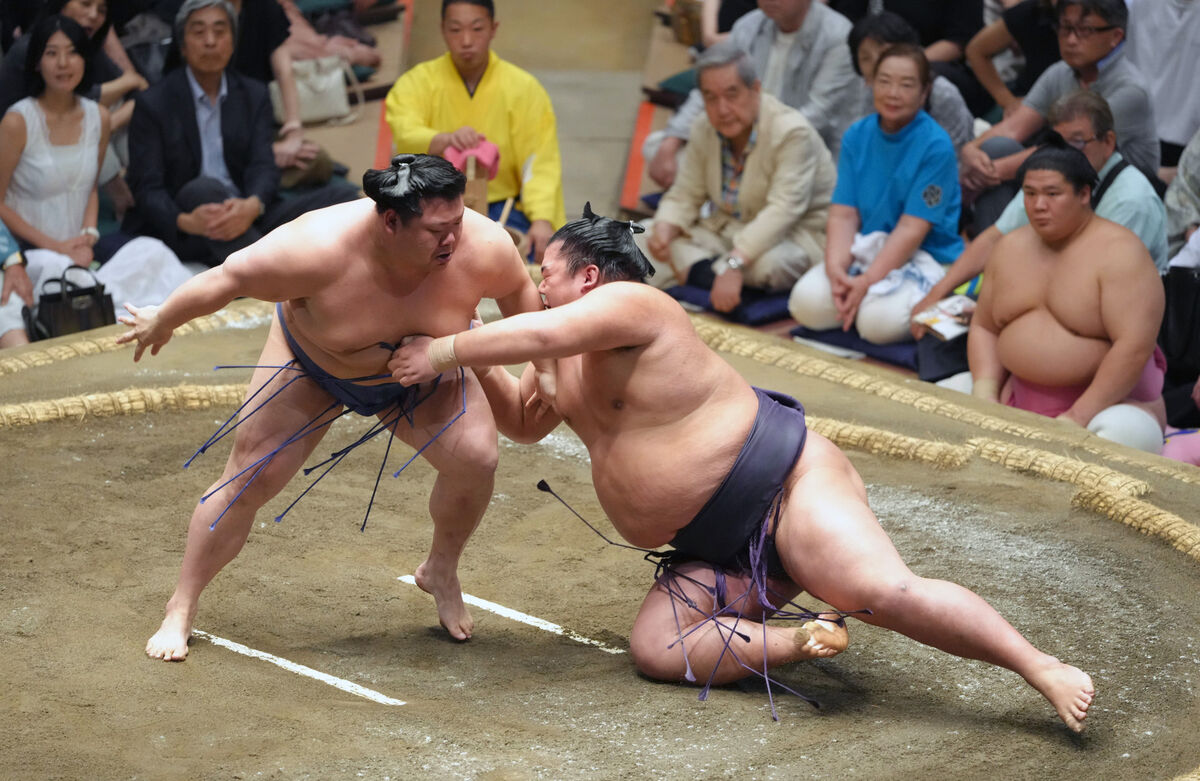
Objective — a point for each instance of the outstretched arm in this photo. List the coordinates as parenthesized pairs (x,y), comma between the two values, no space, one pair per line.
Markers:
(613,315)
(267,270)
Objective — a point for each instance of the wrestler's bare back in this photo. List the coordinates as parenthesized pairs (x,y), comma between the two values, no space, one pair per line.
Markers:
(361,296)
(1046,301)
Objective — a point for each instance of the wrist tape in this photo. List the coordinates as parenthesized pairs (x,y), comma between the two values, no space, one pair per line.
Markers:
(441,353)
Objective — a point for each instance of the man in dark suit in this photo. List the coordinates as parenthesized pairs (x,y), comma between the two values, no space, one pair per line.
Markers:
(201,164)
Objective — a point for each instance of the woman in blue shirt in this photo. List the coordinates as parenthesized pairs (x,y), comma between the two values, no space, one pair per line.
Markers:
(893,225)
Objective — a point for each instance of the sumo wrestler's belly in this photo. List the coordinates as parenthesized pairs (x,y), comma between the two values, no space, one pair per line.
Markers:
(650,486)
(1037,347)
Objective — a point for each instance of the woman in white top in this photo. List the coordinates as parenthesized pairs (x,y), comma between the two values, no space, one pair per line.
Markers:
(51,148)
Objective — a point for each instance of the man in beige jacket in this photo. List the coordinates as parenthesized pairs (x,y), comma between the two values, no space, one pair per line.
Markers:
(752,193)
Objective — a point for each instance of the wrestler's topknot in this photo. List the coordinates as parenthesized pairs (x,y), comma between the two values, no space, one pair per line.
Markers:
(411,179)
(604,243)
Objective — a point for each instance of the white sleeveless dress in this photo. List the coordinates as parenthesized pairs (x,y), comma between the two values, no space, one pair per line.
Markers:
(51,184)
(50,188)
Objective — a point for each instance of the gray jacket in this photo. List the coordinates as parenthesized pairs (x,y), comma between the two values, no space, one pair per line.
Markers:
(820,82)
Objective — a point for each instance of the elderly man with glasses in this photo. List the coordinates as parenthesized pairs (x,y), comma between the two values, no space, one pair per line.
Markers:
(1091,34)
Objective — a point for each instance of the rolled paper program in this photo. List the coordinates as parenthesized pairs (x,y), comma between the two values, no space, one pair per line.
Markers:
(441,353)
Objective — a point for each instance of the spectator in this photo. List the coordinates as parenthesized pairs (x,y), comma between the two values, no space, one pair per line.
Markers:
(799,47)
(874,33)
(894,218)
(1090,33)
(51,145)
(261,53)
(1183,197)
(112,87)
(305,43)
(1164,39)
(1070,310)
(767,172)
(943,27)
(1123,195)
(470,95)
(204,173)
(1085,122)
(1029,26)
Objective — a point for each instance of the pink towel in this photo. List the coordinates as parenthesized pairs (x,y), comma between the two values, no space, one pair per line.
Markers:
(485,153)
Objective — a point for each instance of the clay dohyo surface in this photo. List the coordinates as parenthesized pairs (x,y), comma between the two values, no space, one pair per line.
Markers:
(94,519)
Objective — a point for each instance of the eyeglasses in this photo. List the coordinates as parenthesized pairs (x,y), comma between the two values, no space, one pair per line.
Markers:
(1079,143)
(1081,31)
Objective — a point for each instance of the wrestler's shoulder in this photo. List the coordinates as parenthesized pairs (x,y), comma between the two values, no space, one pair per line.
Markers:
(326,225)
(1115,245)
(1012,248)
(1106,230)
(485,238)
(642,296)
(1023,235)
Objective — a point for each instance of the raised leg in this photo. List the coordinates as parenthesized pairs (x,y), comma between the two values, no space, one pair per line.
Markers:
(465,457)
(208,551)
(832,544)
(658,651)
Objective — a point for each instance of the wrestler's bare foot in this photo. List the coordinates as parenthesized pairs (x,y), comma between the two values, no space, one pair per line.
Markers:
(170,642)
(820,639)
(447,595)
(1068,688)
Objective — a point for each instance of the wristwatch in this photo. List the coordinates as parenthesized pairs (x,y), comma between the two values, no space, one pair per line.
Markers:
(92,231)
(728,263)
(15,259)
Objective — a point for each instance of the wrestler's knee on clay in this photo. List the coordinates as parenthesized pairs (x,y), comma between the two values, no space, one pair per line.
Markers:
(652,657)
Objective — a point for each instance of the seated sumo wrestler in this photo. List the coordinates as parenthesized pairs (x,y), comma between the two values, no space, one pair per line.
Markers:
(1070,310)
(1084,121)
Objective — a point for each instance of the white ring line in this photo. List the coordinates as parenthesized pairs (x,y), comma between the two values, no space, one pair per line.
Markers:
(299,669)
(525,618)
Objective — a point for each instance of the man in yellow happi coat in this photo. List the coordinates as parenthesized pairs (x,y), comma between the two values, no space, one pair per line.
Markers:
(469,95)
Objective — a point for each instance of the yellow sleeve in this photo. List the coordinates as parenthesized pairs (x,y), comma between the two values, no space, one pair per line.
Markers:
(535,134)
(409,112)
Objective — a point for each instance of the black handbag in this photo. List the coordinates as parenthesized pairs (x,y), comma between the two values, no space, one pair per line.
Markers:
(1179,336)
(66,307)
